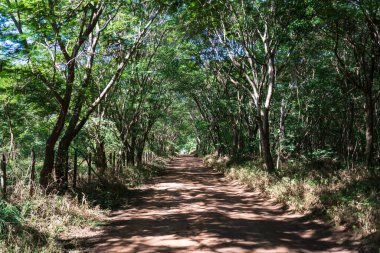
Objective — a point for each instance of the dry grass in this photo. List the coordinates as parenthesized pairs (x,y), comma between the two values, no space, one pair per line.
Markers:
(348,196)
(34,224)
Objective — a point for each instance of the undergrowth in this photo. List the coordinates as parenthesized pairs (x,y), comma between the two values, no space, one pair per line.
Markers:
(111,191)
(346,196)
(34,224)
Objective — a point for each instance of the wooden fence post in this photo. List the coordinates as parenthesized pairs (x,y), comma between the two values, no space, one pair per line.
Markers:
(89,168)
(32,175)
(4,176)
(75,169)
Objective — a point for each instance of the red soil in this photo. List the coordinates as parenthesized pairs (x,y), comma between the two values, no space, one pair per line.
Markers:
(195,209)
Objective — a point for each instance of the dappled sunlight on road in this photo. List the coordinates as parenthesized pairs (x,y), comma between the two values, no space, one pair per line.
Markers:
(194,209)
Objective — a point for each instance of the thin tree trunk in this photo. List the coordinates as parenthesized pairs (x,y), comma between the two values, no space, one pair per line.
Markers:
(110,160)
(236,143)
(114,161)
(265,140)
(32,175)
(75,167)
(122,159)
(89,168)
(12,144)
(281,137)
(369,129)
(4,176)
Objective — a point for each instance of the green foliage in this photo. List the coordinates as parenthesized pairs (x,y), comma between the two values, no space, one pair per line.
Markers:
(200,80)
(10,217)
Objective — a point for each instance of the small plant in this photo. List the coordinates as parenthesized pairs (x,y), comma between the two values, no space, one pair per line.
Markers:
(10,219)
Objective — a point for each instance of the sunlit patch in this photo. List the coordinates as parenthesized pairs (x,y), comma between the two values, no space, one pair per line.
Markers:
(170,241)
(175,186)
(193,210)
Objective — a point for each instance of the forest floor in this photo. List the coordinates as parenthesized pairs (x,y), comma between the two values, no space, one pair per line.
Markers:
(192,208)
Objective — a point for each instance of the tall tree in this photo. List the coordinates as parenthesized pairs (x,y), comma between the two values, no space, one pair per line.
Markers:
(357,52)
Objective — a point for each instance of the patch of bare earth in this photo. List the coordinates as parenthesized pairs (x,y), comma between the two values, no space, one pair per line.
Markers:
(195,209)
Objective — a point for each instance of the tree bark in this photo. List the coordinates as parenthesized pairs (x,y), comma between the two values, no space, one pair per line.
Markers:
(369,125)
(100,157)
(48,166)
(75,170)
(265,139)
(281,137)
(139,156)
(4,176)
(32,175)
(62,162)
(130,152)
(89,169)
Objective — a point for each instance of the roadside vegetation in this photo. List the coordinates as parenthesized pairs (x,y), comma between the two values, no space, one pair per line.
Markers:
(345,196)
(35,223)
(92,93)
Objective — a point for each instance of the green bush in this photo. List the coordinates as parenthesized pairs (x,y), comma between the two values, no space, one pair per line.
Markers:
(10,218)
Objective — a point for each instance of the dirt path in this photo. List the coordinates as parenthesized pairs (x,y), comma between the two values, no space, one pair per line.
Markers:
(194,209)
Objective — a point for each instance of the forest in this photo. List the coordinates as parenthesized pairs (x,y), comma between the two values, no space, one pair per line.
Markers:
(100,97)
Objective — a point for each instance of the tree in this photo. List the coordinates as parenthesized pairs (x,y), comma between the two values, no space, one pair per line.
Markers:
(357,53)
(51,24)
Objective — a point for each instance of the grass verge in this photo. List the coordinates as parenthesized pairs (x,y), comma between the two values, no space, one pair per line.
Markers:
(34,224)
(346,196)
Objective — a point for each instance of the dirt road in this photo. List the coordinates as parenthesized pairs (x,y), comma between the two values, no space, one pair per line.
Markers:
(194,209)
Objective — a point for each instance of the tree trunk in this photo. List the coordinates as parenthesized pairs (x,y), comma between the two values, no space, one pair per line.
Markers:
(252,128)
(139,155)
(281,137)
(114,161)
(130,153)
(350,144)
(369,128)
(100,157)
(236,141)
(48,166)
(123,159)
(47,169)
(75,170)
(4,176)
(265,140)
(12,145)
(32,175)
(62,162)
(89,163)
